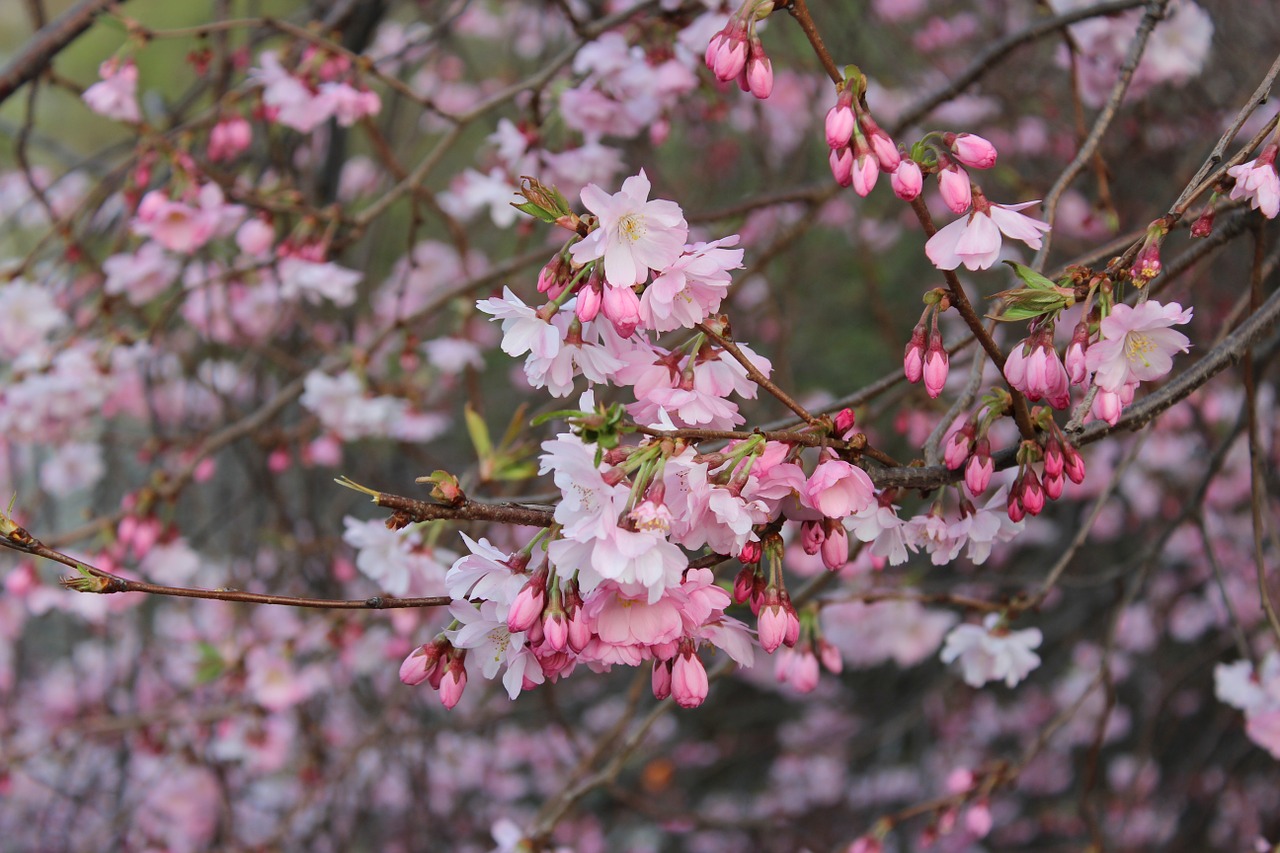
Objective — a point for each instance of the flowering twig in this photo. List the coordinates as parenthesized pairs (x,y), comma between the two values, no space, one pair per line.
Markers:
(94,580)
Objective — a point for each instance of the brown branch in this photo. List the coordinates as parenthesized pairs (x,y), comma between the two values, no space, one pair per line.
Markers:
(48,43)
(756,376)
(800,11)
(98,581)
(503,513)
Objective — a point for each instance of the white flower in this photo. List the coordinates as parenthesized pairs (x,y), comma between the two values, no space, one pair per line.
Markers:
(484,631)
(522,329)
(990,653)
(1137,344)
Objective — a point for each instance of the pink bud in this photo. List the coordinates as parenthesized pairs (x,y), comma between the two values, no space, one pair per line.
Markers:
(957,192)
(835,547)
(731,52)
(1053,457)
(759,71)
(622,307)
(453,683)
(579,634)
(1053,485)
(973,151)
(936,365)
(811,536)
(1107,406)
(844,421)
(958,446)
(865,173)
(840,123)
(1016,511)
(913,357)
(745,582)
(255,237)
(418,665)
(527,607)
(829,654)
(866,844)
(841,166)
(804,672)
(792,635)
(229,138)
(688,680)
(978,819)
(1074,464)
(977,474)
(1076,364)
(907,180)
(555,631)
(589,299)
(1147,265)
(772,627)
(886,153)
(661,679)
(1031,493)
(1203,226)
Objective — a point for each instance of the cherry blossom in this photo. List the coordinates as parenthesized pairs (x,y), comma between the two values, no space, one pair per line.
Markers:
(1137,344)
(975,241)
(634,234)
(992,652)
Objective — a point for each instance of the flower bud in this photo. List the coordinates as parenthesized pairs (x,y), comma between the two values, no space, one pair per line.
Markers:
(936,365)
(689,683)
(973,151)
(907,180)
(811,536)
(839,126)
(913,357)
(661,679)
(977,474)
(835,545)
(957,192)
(453,683)
(759,71)
(842,166)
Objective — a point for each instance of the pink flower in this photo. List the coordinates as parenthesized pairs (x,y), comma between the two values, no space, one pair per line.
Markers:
(634,234)
(229,138)
(975,242)
(838,488)
(1033,367)
(758,71)
(1137,344)
(727,53)
(1257,181)
(116,95)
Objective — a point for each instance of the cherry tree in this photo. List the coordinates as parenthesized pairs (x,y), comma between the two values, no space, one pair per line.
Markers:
(846,428)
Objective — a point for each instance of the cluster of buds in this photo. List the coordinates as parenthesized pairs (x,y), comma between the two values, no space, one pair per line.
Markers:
(778,623)
(1034,368)
(439,664)
(736,52)
(1061,462)
(961,150)
(969,446)
(925,357)
(547,614)
(683,677)
(861,150)
(801,666)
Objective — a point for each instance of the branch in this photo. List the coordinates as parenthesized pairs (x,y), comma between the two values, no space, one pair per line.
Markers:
(48,43)
(94,580)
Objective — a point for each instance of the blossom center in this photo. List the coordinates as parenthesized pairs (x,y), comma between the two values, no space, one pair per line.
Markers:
(1137,348)
(633,226)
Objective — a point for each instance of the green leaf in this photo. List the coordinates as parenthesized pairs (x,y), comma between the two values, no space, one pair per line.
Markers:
(211,665)
(558,415)
(1033,279)
(479,433)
